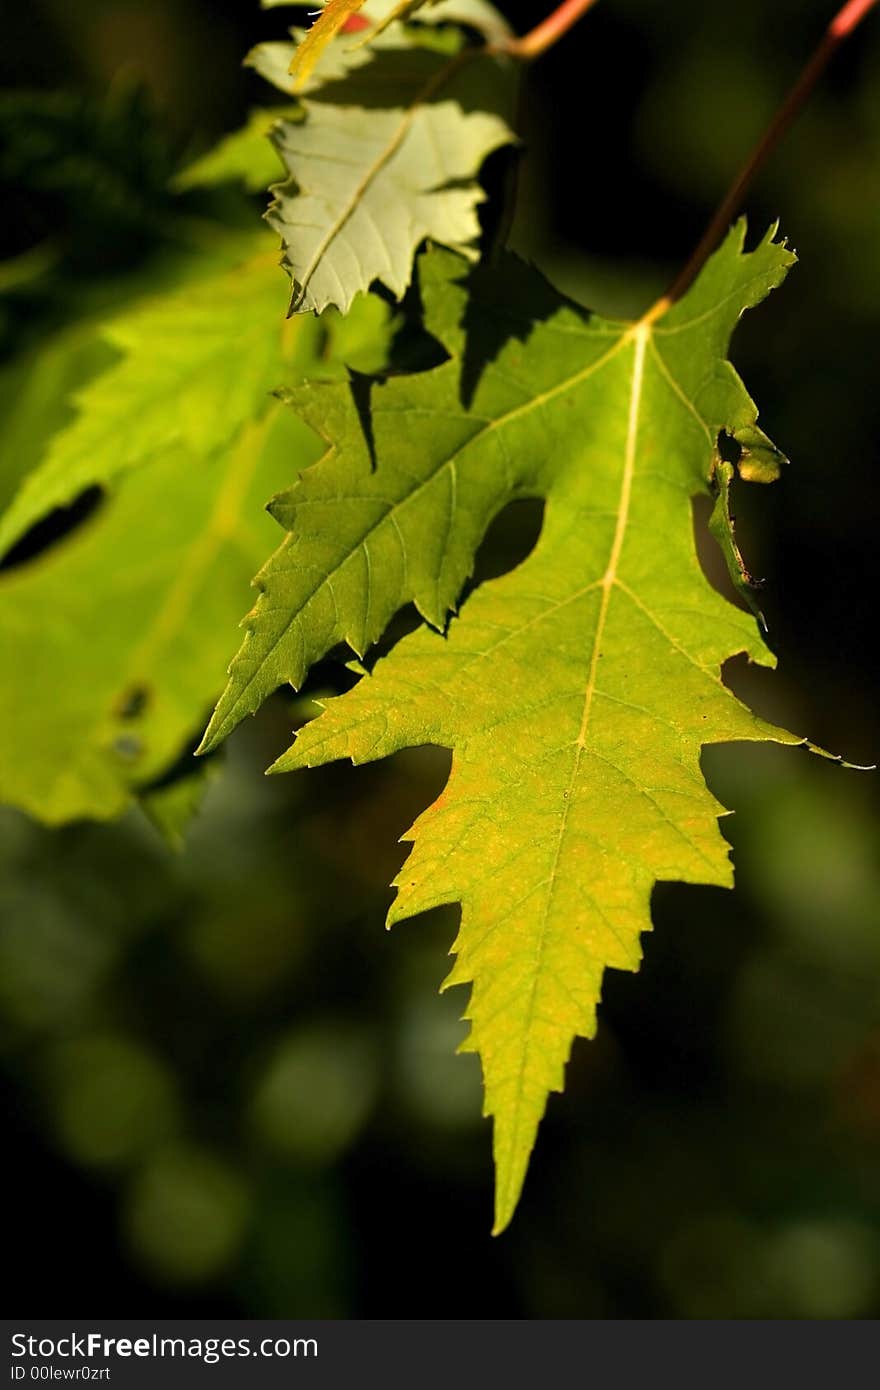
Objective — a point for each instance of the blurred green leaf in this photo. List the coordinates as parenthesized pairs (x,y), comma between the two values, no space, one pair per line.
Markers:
(247,155)
(187,443)
(35,392)
(131,619)
(193,365)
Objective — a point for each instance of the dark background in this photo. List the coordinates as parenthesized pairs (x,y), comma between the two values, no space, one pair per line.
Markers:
(230,1091)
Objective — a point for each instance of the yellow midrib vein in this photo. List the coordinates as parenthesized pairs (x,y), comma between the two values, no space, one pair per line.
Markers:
(640,337)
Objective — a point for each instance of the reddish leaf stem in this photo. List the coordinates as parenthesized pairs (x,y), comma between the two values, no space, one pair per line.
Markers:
(549,31)
(849,17)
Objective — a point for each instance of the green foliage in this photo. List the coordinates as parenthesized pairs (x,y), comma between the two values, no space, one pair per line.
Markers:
(576,692)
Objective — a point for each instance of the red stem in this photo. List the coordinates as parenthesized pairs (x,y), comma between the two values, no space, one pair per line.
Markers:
(849,17)
(549,31)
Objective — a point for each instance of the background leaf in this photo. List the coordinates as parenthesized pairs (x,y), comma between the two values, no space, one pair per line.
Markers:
(130,616)
(245,155)
(136,662)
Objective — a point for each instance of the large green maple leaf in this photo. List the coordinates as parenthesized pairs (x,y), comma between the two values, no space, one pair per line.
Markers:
(577,691)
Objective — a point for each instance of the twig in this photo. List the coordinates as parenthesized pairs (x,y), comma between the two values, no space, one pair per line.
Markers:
(549,31)
(843,24)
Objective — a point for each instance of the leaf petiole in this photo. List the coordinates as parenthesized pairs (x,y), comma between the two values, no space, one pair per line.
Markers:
(548,32)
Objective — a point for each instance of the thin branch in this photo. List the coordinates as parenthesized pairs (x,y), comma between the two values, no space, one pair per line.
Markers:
(549,32)
(849,17)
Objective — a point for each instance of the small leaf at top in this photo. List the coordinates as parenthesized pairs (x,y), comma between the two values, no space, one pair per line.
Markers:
(387,154)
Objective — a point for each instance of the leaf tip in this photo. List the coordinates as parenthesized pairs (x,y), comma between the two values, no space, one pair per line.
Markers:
(505,1206)
(219,726)
(835,757)
(283,763)
(210,740)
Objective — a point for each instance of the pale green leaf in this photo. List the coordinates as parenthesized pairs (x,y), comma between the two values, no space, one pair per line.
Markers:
(386,155)
(273,60)
(577,691)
